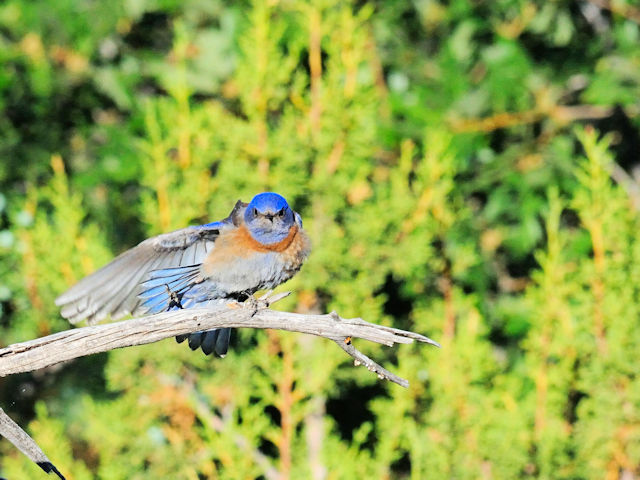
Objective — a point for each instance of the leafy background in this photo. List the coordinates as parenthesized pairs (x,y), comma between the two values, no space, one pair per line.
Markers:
(465,169)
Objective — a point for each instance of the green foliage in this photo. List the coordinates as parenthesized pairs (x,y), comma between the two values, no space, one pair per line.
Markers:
(437,154)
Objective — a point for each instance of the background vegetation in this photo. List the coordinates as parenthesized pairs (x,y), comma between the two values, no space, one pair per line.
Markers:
(464,168)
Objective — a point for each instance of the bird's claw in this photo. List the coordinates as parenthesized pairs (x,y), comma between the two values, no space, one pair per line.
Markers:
(251,302)
(174,299)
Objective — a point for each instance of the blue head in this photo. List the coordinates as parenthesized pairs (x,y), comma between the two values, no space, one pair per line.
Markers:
(269,218)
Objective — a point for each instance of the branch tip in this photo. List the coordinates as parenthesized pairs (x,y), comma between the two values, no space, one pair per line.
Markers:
(361,359)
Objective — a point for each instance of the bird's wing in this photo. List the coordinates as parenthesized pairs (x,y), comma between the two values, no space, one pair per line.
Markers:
(113,290)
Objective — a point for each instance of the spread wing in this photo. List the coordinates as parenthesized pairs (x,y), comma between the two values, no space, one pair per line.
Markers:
(113,290)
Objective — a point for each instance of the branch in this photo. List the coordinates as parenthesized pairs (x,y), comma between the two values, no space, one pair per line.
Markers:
(59,347)
(63,346)
(12,432)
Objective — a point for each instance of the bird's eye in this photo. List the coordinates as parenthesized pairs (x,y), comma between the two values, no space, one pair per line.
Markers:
(281,213)
(255,212)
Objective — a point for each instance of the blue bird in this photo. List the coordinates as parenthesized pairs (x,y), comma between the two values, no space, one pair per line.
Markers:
(258,246)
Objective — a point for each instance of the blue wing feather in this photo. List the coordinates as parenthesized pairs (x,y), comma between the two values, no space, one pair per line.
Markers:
(114,289)
(158,289)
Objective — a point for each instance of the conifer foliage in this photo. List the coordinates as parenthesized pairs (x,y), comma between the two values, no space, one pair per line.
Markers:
(465,169)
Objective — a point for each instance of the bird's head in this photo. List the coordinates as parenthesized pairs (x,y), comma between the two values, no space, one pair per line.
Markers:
(269,218)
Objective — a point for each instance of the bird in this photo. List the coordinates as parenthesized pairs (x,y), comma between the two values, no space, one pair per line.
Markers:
(260,245)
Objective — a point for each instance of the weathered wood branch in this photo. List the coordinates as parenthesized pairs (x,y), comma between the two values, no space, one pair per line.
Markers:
(12,432)
(59,347)
(63,346)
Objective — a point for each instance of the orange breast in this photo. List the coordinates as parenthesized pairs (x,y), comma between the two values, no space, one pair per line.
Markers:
(244,238)
(239,243)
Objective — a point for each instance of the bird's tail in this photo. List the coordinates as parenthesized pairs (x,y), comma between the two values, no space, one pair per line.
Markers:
(209,341)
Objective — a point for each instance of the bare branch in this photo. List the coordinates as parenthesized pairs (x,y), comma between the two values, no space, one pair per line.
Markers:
(59,347)
(70,344)
(12,432)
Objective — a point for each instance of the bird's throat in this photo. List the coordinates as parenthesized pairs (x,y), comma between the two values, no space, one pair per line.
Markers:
(259,246)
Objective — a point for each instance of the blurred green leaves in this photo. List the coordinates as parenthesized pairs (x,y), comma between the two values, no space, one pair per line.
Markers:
(437,155)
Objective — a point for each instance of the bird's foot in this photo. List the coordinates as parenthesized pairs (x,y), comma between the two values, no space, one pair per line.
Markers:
(247,300)
(174,299)
(252,303)
(256,304)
